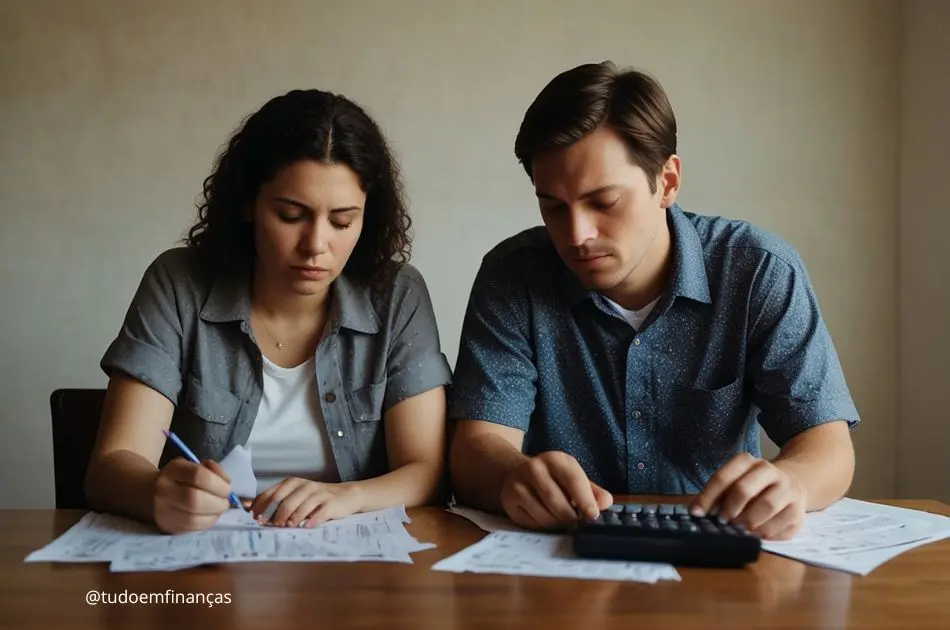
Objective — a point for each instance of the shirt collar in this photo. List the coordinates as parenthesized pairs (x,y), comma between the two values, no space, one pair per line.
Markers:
(351,306)
(229,299)
(688,277)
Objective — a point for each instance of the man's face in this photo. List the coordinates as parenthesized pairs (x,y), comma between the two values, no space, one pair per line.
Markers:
(598,207)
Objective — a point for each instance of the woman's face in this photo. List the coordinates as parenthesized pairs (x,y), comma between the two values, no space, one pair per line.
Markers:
(307,221)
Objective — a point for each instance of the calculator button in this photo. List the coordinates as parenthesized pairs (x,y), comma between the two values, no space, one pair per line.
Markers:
(649,509)
(616,508)
(666,509)
(680,510)
(632,508)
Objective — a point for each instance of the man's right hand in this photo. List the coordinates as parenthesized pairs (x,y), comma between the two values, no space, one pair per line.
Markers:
(189,497)
(551,490)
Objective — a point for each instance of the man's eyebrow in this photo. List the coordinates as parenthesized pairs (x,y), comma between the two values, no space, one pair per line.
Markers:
(589,193)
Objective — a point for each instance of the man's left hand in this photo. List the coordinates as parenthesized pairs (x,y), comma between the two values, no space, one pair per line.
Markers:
(756,494)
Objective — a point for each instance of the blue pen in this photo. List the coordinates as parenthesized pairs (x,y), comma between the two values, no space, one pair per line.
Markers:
(191,457)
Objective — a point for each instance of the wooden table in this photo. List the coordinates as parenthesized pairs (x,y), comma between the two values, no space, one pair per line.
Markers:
(911,592)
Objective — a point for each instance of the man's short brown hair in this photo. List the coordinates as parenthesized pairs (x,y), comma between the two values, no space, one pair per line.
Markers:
(578,101)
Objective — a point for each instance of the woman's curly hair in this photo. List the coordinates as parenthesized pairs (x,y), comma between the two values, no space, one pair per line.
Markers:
(304,125)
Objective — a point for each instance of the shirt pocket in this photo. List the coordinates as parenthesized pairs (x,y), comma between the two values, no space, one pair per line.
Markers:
(700,402)
(365,407)
(706,428)
(211,404)
(366,404)
(204,418)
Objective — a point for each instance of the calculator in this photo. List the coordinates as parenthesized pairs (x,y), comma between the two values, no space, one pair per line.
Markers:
(665,533)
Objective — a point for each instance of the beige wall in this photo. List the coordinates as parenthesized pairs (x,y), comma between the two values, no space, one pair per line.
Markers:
(111,113)
(925,252)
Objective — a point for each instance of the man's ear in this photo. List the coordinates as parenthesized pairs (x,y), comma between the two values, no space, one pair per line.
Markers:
(668,181)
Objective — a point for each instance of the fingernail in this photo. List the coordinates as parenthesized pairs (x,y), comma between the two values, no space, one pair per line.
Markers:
(697,511)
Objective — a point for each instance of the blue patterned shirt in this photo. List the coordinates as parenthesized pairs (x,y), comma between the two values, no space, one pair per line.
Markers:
(737,341)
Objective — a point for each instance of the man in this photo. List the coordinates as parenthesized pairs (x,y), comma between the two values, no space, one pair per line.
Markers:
(629,346)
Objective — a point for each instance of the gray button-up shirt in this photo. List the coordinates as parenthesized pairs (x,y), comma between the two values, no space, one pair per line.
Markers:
(736,341)
(188,336)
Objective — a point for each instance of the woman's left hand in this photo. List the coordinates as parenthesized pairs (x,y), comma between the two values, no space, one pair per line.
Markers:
(302,500)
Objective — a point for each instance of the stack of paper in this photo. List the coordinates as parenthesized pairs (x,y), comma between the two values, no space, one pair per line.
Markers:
(547,555)
(857,537)
(130,546)
(850,535)
(511,550)
(236,537)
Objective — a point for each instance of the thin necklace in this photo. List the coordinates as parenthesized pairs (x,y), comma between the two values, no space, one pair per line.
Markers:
(280,344)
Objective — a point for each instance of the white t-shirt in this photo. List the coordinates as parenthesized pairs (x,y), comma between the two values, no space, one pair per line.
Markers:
(636,318)
(289,437)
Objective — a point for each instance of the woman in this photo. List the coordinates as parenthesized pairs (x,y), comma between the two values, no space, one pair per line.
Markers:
(291,324)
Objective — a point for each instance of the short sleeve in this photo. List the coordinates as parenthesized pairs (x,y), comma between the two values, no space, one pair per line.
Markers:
(149,344)
(495,375)
(796,377)
(415,362)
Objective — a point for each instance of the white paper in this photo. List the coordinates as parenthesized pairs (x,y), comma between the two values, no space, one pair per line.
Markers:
(487,522)
(547,555)
(857,536)
(322,544)
(95,538)
(242,519)
(132,546)
(238,465)
(236,519)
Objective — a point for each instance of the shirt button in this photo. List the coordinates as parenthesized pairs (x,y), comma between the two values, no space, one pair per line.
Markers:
(640,466)
(636,415)
(636,341)
(339,433)
(330,397)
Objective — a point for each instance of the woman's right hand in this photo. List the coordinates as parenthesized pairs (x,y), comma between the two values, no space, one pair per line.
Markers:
(190,497)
